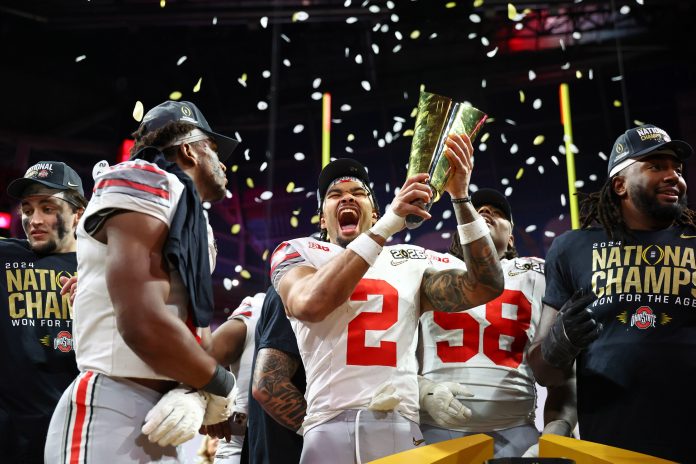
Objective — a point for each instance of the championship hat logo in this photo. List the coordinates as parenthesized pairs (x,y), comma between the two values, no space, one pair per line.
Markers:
(643,318)
(63,341)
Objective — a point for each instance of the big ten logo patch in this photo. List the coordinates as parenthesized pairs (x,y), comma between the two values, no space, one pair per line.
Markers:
(318,246)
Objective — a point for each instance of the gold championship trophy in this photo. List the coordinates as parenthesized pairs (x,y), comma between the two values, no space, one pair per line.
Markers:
(438,117)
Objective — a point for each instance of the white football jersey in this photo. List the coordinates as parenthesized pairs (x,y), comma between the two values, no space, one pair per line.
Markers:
(366,342)
(484,348)
(135,186)
(248,312)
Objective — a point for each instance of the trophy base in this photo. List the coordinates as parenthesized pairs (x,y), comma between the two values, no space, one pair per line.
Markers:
(413,221)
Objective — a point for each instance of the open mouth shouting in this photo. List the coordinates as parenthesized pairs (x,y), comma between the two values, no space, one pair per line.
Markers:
(348,219)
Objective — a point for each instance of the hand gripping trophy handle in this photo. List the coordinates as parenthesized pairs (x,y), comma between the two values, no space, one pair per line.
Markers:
(438,117)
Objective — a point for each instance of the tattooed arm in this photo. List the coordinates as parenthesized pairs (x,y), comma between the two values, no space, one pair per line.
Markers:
(457,289)
(273,389)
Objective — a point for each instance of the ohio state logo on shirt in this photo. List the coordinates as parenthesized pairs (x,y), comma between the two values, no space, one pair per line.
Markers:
(643,318)
(63,341)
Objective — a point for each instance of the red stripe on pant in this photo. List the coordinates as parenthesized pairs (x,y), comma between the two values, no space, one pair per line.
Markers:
(76,441)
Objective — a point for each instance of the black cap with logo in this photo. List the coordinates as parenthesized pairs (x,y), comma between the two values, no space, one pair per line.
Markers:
(52,174)
(642,141)
(489,196)
(342,167)
(184,111)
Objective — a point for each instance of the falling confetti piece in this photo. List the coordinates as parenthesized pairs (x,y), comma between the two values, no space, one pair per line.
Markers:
(394,18)
(293,221)
(262,105)
(350,137)
(483,83)
(228,194)
(351,20)
(536,104)
(250,182)
(263,167)
(316,96)
(578,74)
(235,229)
(505,181)
(531,75)
(415,34)
(246,154)
(538,140)
(617,103)
(390,5)
(366,85)
(408,133)
(267,195)
(298,128)
(80,58)
(439,225)
(624,10)
(396,49)
(206,205)
(549,233)
(563,199)
(358,58)
(478,3)
(485,137)
(286,63)
(577,35)
(181,60)
(176,95)
(593,177)
(264,22)
(554,159)
(227,283)
(299,16)
(531,160)
(521,92)
(345,107)
(163,3)
(519,174)
(264,256)
(474,18)
(314,219)
(138,111)
(640,2)
(197,87)
(508,191)
(482,147)
(245,274)
(531,228)
(485,42)
(579,183)
(492,53)
(290,187)
(373,9)
(450,4)
(214,20)
(266,74)
(513,148)
(285,38)
(316,83)
(540,168)
(234,168)
(602,155)
(299,156)
(375,49)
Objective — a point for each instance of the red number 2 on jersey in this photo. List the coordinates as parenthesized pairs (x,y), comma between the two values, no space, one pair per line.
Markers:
(356,351)
(499,325)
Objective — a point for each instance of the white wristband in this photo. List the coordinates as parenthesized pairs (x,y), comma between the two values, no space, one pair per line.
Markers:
(472,231)
(366,248)
(388,225)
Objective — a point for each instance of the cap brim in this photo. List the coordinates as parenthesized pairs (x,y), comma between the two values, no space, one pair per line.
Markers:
(17,187)
(682,149)
(492,197)
(225,145)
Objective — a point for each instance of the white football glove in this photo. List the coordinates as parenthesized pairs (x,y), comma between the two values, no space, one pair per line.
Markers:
(438,400)
(557,427)
(176,417)
(385,398)
(219,407)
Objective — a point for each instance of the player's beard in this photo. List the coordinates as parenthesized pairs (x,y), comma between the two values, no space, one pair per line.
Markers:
(649,204)
(50,245)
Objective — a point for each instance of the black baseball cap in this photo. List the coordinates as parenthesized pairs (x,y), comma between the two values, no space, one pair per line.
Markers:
(489,196)
(642,141)
(342,167)
(52,174)
(184,111)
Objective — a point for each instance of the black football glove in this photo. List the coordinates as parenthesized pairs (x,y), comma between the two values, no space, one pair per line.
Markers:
(575,328)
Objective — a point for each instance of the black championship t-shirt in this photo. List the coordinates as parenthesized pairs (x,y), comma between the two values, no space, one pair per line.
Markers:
(636,382)
(37,360)
(268,441)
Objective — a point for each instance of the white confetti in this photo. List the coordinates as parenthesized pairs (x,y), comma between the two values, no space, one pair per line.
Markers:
(624,10)
(593,177)
(508,191)
(397,48)
(471,36)
(264,22)
(80,58)
(398,35)
(566,65)
(505,181)
(390,5)
(316,95)
(263,167)
(577,35)
(536,104)
(358,58)
(554,159)
(181,60)
(408,237)
(206,205)
(384,29)
(366,85)
(373,9)
(541,169)
(579,183)
(563,199)
(483,83)
(227,283)
(297,129)
(511,122)
(602,155)
(530,228)
(267,195)
(617,78)
(300,16)
(474,18)
(347,3)
(394,18)
(562,44)
(238,268)
(432,36)
(446,235)
(345,107)
(214,20)
(246,154)
(492,53)
(138,111)
(485,42)
(237,136)
(398,125)
(439,225)
(262,105)
(351,20)
(375,49)
(530,160)
(299,156)
(266,74)
(513,148)
(286,62)
(316,83)
(531,75)
(549,233)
